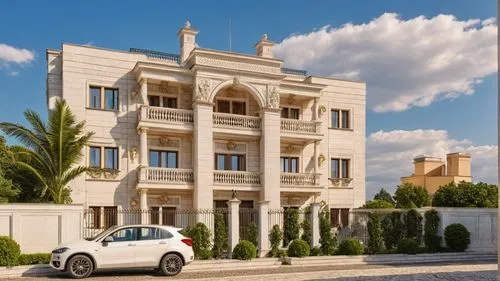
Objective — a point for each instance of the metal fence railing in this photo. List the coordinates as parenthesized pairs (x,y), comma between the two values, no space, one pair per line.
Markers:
(248,219)
(285,217)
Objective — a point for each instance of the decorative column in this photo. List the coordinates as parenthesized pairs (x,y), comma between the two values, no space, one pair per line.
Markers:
(316,109)
(234,223)
(263,235)
(316,156)
(270,149)
(144,205)
(144,91)
(203,146)
(143,153)
(315,224)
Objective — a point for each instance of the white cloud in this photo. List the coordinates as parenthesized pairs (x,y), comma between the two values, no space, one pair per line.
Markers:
(405,63)
(10,54)
(13,73)
(390,156)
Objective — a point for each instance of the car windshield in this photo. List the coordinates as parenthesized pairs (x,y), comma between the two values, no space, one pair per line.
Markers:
(103,233)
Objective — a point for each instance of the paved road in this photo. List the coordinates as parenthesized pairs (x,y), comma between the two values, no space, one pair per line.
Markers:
(438,272)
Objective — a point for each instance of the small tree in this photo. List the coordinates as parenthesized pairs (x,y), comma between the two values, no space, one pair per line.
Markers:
(292,226)
(275,237)
(326,239)
(374,233)
(466,194)
(414,225)
(221,241)
(7,190)
(431,238)
(457,237)
(387,230)
(411,196)
(383,195)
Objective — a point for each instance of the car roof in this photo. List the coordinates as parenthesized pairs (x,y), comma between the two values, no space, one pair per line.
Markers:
(149,225)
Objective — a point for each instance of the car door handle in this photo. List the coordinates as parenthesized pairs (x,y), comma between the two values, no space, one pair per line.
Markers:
(131,244)
(162,242)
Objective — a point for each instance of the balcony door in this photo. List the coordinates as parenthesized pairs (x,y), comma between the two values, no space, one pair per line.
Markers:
(230,162)
(163,159)
(289,164)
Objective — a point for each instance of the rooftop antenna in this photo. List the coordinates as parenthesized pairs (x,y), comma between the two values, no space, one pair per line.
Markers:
(230,35)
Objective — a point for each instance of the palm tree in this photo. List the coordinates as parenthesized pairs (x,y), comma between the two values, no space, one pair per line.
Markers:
(51,151)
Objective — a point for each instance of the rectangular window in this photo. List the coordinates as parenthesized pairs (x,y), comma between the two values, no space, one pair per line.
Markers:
(110,99)
(335,168)
(154,100)
(95,157)
(239,108)
(167,215)
(169,102)
(95,97)
(163,159)
(110,216)
(103,98)
(345,168)
(111,158)
(345,119)
(95,213)
(230,162)
(289,164)
(220,204)
(223,106)
(292,113)
(335,118)
(344,217)
(335,217)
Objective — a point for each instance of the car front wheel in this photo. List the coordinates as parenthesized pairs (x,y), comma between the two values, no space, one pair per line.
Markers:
(171,265)
(79,266)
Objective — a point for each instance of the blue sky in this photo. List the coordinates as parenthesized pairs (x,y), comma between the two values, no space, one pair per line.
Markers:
(469,121)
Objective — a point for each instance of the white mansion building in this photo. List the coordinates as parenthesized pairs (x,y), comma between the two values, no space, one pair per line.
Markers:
(184,131)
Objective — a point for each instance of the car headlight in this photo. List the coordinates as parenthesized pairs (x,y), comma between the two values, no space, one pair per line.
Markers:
(60,250)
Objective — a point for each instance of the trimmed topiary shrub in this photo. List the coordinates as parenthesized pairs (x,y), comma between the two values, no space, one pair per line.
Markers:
(252,233)
(408,246)
(275,237)
(431,239)
(221,240)
(326,239)
(350,247)
(200,234)
(457,237)
(414,225)
(9,251)
(245,250)
(292,226)
(298,248)
(306,230)
(38,258)
(374,233)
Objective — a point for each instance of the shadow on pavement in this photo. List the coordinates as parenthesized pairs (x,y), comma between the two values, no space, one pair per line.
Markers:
(488,275)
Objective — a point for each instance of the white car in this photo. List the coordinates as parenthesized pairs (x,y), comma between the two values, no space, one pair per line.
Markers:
(128,246)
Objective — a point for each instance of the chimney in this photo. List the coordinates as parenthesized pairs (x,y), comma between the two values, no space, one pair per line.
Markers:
(264,47)
(458,164)
(187,37)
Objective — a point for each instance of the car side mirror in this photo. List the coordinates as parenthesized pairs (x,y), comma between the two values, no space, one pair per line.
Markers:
(107,240)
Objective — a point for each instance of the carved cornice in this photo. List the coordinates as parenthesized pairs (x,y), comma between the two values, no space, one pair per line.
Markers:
(341,182)
(236,65)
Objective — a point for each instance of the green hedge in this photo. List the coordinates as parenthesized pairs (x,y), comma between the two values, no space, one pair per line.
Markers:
(299,248)
(38,258)
(431,238)
(408,246)
(200,234)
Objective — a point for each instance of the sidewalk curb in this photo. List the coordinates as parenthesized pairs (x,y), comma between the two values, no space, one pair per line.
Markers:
(261,263)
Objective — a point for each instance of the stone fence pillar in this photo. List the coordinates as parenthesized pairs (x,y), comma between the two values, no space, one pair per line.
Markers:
(263,235)
(234,223)
(315,224)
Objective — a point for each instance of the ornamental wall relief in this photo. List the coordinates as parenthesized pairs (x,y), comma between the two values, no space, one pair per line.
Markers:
(202,89)
(273,97)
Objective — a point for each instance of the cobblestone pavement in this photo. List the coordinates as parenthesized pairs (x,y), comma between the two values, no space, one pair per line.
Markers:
(437,272)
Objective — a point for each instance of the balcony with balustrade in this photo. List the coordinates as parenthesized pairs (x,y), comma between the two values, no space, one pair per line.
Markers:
(225,123)
(236,180)
(292,129)
(162,118)
(300,182)
(165,178)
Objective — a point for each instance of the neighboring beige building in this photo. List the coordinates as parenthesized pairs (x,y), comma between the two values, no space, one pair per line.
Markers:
(432,172)
(183,131)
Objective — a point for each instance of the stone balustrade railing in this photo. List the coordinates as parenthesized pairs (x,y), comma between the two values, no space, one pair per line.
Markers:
(235,120)
(166,175)
(300,126)
(298,179)
(236,177)
(166,114)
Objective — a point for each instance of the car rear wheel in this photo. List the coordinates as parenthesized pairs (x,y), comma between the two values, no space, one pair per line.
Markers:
(171,265)
(79,266)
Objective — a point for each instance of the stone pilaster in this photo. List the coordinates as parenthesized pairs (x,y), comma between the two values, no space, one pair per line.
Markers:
(203,164)
(315,224)
(270,157)
(263,236)
(234,223)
